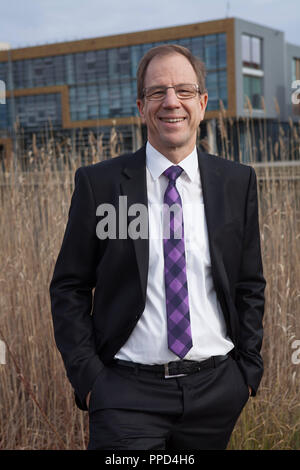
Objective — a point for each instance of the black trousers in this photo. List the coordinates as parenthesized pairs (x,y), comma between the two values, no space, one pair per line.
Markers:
(140,410)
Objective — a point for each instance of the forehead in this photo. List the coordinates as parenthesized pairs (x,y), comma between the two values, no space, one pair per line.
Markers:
(169,69)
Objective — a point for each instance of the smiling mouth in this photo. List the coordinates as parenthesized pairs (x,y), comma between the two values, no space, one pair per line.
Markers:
(172,120)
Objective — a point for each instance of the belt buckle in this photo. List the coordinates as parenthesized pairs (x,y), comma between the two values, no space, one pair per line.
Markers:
(168,375)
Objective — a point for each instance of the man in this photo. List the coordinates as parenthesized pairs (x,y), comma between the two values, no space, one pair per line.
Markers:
(166,351)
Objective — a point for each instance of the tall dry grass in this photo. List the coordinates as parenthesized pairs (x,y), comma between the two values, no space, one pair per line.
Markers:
(37,409)
(272,419)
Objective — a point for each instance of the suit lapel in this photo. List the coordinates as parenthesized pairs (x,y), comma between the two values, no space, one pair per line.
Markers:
(213,193)
(134,186)
(213,187)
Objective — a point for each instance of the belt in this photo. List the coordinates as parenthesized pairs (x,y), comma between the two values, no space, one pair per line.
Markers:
(176,368)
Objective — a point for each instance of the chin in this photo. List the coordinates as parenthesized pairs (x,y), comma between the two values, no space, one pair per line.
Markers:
(175,143)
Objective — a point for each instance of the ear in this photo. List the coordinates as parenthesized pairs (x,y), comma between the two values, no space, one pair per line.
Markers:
(203,103)
(140,104)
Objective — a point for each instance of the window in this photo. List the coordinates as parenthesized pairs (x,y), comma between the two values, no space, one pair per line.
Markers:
(35,110)
(252,71)
(253,91)
(3,116)
(251,51)
(212,50)
(296,69)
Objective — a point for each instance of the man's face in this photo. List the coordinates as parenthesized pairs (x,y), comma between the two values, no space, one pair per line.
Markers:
(163,133)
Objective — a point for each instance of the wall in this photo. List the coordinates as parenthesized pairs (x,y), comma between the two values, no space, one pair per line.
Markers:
(273,57)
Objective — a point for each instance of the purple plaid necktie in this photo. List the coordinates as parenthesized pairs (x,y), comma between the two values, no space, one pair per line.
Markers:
(177,302)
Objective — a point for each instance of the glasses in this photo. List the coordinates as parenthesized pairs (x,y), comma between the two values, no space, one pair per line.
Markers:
(184,91)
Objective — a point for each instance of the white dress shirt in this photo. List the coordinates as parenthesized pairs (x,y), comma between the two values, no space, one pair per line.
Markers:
(148,342)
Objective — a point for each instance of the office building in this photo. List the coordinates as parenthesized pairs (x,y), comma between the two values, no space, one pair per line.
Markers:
(72,89)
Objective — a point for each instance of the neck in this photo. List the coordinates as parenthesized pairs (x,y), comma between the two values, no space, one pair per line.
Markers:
(174,154)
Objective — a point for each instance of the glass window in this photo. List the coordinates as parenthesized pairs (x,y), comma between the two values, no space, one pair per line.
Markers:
(293,70)
(212,104)
(36,110)
(222,51)
(256,53)
(256,84)
(251,51)
(4,116)
(92,92)
(136,55)
(70,71)
(211,51)
(72,93)
(197,47)
(211,82)
(29,74)
(3,72)
(211,57)
(126,98)
(115,97)
(222,75)
(81,93)
(253,89)
(124,54)
(296,69)
(210,39)
(104,101)
(17,74)
(60,75)
(93,111)
(113,69)
(246,48)
(82,115)
(185,42)
(101,64)
(79,67)
(146,47)
(90,56)
(134,92)
(124,69)
(247,87)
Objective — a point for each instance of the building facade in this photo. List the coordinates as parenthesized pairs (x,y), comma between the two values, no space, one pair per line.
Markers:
(90,85)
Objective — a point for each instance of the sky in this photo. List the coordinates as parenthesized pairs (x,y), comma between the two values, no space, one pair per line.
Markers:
(26,23)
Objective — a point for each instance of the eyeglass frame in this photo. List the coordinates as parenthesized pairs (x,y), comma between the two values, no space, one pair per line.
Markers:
(197,89)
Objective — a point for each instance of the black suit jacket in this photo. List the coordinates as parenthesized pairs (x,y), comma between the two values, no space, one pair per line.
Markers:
(98,290)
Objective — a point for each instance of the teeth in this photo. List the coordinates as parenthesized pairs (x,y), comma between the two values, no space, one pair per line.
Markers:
(173,120)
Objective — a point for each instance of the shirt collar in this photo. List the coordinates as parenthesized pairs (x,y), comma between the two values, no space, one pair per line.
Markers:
(157,163)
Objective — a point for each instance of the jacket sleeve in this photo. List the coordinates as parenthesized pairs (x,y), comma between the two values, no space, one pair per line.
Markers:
(250,293)
(71,291)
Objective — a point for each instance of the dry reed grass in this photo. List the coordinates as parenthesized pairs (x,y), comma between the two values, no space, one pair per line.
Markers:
(37,409)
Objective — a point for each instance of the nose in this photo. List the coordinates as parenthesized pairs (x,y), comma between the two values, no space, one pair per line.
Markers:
(171,100)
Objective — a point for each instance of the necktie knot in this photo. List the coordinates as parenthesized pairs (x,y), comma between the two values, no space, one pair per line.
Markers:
(173,172)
